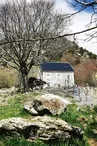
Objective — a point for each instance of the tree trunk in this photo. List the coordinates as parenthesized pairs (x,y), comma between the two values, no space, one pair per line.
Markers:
(23,82)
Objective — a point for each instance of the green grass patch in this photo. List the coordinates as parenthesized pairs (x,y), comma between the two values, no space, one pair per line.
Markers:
(16,141)
(15,107)
(83,118)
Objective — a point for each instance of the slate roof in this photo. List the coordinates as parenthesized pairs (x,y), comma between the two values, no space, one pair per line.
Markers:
(56,66)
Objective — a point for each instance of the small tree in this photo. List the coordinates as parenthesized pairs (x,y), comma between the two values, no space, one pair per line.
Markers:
(24,26)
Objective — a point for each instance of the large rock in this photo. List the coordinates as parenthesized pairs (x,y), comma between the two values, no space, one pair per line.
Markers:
(43,128)
(47,104)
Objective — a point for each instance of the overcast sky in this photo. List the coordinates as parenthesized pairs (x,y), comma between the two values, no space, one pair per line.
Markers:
(79,23)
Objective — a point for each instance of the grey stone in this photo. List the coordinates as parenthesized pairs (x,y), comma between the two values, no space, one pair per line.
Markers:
(43,128)
(47,104)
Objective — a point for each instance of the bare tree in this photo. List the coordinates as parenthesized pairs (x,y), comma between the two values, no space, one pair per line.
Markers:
(24,26)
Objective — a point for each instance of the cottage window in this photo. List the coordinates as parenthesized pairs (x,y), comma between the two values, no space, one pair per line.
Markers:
(58,76)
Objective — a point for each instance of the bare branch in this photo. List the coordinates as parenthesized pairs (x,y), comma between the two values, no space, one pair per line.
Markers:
(9,63)
(87,3)
(50,38)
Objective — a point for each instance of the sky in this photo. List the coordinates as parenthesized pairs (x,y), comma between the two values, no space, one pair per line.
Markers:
(79,23)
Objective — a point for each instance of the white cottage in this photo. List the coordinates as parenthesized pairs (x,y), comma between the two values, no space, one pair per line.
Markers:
(57,74)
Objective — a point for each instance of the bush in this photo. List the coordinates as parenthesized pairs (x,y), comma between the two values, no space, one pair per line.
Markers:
(8,78)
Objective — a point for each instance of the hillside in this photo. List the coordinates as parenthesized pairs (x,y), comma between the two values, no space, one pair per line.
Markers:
(62,47)
(81,52)
(78,53)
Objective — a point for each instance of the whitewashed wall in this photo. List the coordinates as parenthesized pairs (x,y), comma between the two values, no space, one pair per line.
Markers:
(58,79)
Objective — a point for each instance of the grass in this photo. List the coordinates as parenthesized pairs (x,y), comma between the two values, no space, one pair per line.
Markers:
(16,141)
(15,107)
(84,117)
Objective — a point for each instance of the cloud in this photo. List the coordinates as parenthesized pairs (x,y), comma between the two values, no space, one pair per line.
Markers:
(79,23)
(63,6)
(2,1)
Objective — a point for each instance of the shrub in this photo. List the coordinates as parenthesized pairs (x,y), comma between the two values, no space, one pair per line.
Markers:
(8,78)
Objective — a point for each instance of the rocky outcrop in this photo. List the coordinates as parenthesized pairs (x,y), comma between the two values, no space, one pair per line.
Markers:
(43,128)
(47,104)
